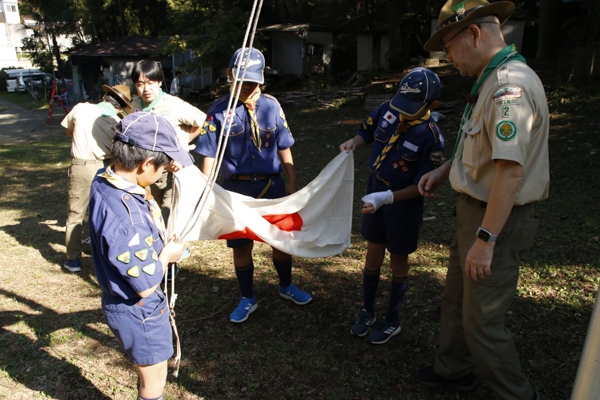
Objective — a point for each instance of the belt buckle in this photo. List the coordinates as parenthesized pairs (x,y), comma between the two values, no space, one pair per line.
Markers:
(254,178)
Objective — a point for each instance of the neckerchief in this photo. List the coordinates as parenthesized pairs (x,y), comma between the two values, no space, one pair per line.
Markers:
(504,55)
(107,109)
(250,104)
(126,186)
(403,127)
(156,100)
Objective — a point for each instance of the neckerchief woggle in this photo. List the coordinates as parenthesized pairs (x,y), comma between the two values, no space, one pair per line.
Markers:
(250,104)
(149,107)
(126,186)
(506,54)
(395,137)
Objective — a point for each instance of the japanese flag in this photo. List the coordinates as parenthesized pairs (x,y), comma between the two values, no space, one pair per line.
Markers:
(389,117)
(314,222)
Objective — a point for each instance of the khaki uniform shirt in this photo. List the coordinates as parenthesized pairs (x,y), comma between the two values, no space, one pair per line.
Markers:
(510,121)
(180,113)
(92,133)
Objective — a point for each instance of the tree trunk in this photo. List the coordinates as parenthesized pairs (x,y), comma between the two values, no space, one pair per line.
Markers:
(549,29)
(584,66)
(395,39)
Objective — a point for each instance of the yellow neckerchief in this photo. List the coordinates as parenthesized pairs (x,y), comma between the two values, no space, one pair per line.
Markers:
(396,136)
(126,186)
(250,104)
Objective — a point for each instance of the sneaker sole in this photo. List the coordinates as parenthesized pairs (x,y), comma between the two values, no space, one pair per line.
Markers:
(397,331)
(250,311)
(71,269)
(366,330)
(285,296)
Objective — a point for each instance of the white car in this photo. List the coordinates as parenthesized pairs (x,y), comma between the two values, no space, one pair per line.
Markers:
(13,74)
(37,79)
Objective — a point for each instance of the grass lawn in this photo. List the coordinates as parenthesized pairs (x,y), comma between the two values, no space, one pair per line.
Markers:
(25,100)
(54,342)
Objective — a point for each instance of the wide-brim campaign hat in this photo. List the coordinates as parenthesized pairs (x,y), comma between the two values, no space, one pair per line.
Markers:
(418,89)
(255,71)
(458,14)
(120,91)
(152,132)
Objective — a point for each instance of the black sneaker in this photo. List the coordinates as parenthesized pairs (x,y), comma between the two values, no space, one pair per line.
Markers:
(362,324)
(428,377)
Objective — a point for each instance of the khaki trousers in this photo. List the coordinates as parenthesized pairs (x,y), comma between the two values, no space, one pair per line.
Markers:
(81,174)
(473,328)
(162,191)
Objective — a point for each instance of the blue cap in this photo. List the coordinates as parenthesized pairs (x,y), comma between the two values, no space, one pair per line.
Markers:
(256,65)
(418,88)
(153,132)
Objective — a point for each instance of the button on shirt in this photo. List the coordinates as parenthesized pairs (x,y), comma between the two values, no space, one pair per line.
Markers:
(125,241)
(510,121)
(242,157)
(412,156)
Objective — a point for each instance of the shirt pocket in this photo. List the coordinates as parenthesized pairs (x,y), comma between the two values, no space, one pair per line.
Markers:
(410,152)
(471,151)
(380,135)
(237,128)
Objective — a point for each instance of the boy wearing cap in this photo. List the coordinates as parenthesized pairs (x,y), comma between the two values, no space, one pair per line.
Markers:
(500,167)
(406,144)
(258,149)
(90,127)
(130,250)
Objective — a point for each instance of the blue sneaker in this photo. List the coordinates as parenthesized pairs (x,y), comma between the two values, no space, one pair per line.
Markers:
(294,294)
(383,331)
(73,266)
(243,310)
(361,326)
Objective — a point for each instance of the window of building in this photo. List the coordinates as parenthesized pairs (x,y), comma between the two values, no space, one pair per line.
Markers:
(11,8)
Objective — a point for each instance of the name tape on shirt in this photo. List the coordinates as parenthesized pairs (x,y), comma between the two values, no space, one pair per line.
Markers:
(410,146)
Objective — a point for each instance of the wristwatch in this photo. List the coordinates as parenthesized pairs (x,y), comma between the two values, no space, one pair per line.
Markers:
(486,236)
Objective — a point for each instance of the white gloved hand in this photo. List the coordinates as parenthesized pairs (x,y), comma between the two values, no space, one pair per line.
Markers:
(377,199)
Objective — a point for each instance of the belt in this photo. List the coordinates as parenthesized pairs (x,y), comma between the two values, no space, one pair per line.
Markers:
(473,201)
(251,178)
(83,161)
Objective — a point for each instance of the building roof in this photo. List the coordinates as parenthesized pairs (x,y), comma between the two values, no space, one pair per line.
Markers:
(295,28)
(132,45)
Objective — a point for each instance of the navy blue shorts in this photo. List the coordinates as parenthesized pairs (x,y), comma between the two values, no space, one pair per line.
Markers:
(396,225)
(254,189)
(142,326)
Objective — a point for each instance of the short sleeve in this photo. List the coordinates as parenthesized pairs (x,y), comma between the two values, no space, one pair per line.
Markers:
(509,122)
(133,253)
(206,144)
(68,122)
(190,115)
(368,126)
(433,149)
(285,140)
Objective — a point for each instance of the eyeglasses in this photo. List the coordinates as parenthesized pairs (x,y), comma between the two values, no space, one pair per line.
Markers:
(444,48)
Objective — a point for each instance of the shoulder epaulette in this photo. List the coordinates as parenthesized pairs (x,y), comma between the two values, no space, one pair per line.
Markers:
(135,214)
(437,134)
(268,96)
(216,103)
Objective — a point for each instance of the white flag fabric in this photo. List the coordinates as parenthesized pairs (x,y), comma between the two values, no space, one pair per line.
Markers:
(314,222)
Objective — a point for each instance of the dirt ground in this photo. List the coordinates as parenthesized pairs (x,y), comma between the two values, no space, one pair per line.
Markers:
(18,124)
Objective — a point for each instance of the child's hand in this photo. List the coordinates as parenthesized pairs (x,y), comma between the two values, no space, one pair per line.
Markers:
(348,146)
(376,199)
(172,251)
(173,166)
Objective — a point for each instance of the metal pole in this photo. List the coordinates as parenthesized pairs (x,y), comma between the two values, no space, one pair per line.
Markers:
(587,381)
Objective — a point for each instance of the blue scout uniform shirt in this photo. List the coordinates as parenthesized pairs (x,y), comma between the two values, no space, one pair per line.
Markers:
(242,157)
(417,151)
(125,240)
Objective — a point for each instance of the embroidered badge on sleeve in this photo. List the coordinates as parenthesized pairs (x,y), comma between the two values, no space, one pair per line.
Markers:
(149,269)
(142,254)
(149,240)
(506,130)
(125,257)
(134,271)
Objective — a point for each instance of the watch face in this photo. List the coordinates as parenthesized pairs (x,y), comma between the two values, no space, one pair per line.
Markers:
(483,235)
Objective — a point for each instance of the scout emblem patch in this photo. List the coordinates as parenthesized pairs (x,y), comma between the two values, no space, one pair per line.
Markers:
(370,121)
(384,124)
(508,92)
(149,269)
(389,117)
(154,255)
(142,254)
(506,130)
(134,271)
(149,240)
(134,241)
(400,164)
(125,257)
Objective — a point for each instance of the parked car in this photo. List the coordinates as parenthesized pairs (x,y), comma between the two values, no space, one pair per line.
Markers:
(33,80)
(13,74)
